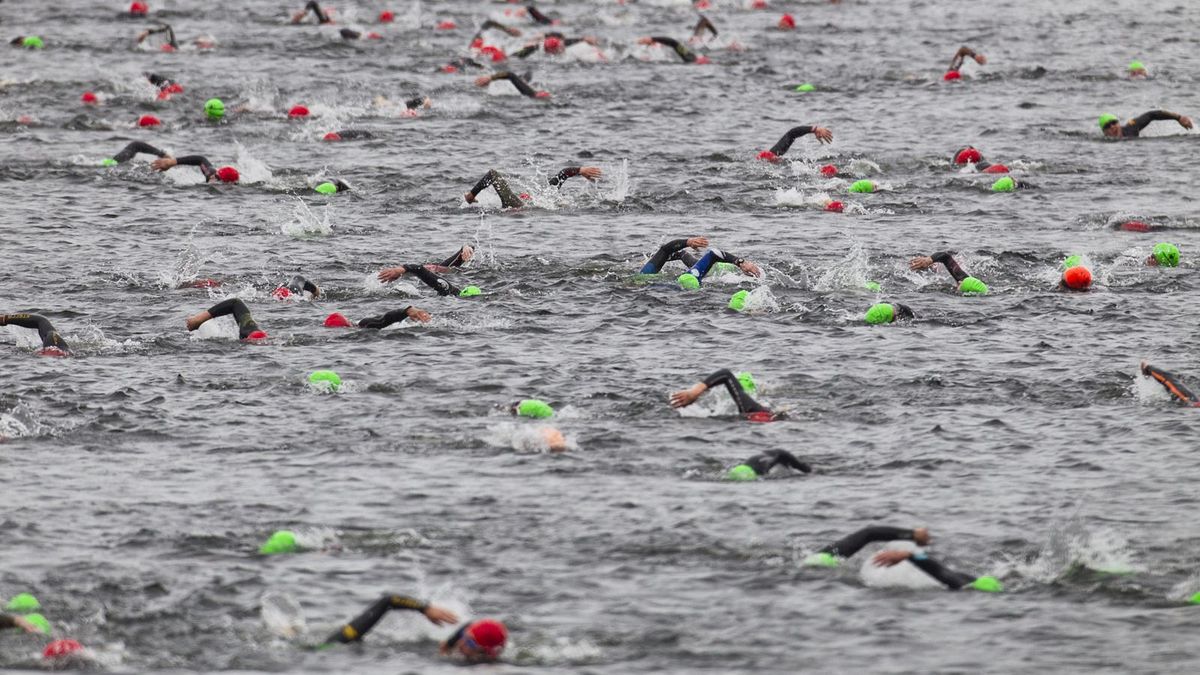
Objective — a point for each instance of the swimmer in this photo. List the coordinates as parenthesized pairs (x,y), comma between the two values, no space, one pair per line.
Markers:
(553,43)
(957,62)
(1137,70)
(427,273)
(225,174)
(14,621)
(339,320)
(1171,383)
(681,49)
(747,407)
(960,275)
(322,17)
(52,342)
(461,256)
(477,39)
(781,147)
(510,200)
(1164,255)
(161,28)
(972,155)
(248,330)
(348,34)
(133,149)
(847,547)
(538,17)
(701,26)
(517,81)
(297,285)
(165,84)
(762,463)
(698,265)
(461,63)
(359,626)
(1112,128)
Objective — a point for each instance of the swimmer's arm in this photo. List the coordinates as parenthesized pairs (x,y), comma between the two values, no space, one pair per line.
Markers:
(537,16)
(1142,121)
(822,134)
(1169,381)
(395,316)
(589,172)
(962,53)
(431,280)
(525,51)
(951,579)
(702,25)
(498,26)
(943,257)
(521,85)
(205,166)
(14,621)
(363,623)
(669,251)
(129,151)
(853,543)
(680,49)
(745,265)
(789,460)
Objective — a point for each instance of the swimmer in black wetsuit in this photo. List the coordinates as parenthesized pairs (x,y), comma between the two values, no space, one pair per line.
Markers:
(943,257)
(1171,383)
(517,81)
(846,547)
(552,43)
(1112,128)
(348,135)
(52,342)
(762,463)
(781,147)
(248,330)
(510,199)
(297,285)
(747,406)
(538,17)
(322,17)
(129,151)
(362,624)
(225,174)
(427,273)
(161,28)
(14,621)
(831,555)
(962,53)
(698,265)
(339,320)
(681,49)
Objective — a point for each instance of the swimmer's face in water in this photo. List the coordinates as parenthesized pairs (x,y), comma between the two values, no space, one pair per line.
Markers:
(1113,130)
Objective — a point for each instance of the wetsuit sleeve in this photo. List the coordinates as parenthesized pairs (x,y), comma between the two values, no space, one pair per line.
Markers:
(316,9)
(49,336)
(537,16)
(854,543)
(680,49)
(127,153)
(240,312)
(665,253)
(455,260)
(1135,125)
(521,85)
(378,322)
(1171,383)
(493,178)
(790,137)
(525,51)
(362,624)
(348,34)
(789,460)
(355,134)
(951,265)
(7,621)
(562,176)
(953,580)
(206,166)
(745,403)
(702,266)
(414,102)
(702,25)
(299,284)
(431,280)
(903,312)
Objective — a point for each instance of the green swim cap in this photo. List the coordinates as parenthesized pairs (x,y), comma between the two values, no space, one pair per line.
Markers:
(326,379)
(326,188)
(873,286)
(725,267)
(108,162)
(39,621)
(1166,254)
(282,541)
(1072,261)
(1005,184)
(1136,65)
(972,286)
(32,42)
(469,291)
(214,108)
(23,603)
(688,281)
(821,559)
(805,87)
(881,313)
(987,584)
(1195,599)
(863,185)
(531,407)
(738,301)
(748,382)
(1107,119)
(741,472)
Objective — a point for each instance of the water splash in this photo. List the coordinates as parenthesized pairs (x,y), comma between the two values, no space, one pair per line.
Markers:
(305,223)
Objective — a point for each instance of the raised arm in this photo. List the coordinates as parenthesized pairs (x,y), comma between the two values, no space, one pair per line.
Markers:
(129,151)
(1142,121)
(944,575)
(362,624)
(704,25)
(962,53)
(589,172)
(497,181)
(50,337)
(521,85)
(943,257)
(680,48)
(848,546)
(670,251)
(785,143)
(394,316)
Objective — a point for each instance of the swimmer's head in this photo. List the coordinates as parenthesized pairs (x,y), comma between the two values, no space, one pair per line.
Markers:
(741,472)
(469,292)
(332,136)
(281,541)
(337,320)
(1004,184)
(951,75)
(148,121)
(968,155)
(996,168)
(108,162)
(325,379)
(39,622)
(1078,278)
(747,382)
(228,174)
(532,407)
(987,584)
(768,156)
(387,16)
(30,42)
(483,639)
(862,186)
(1109,124)
(834,206)
(688,281)
(552,45)
(882,312)
(1137,69)
(326,188)
(297,112)
(256,336)
(829,171)
(821,559)
(805,87)
(23,603)
(89,98)
(972,286)
(214,108)
(138,8)
(738,301)
(61,649)
(786,22)
(1166,255)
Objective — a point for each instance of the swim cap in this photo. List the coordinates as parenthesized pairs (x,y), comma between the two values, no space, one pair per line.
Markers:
(325,379)
(89,97)
(148,121)
(228,174)
(282,541)
(1166,254)
(138,8)
(873,286)
(835,206)
(1005,184)
(446,24)
(32,42)
(372,35)
(532,407)
(987,584)
(39,622)
(326,188)
(786,22)
(214,108)
(741,472)
(1136,65)
(489,634)
(108,162)
(768,156)
(967,155)
(996,168)
(469,291)
(747,382)
(256,336)
(805,87)
(951,75)
(337,320)
(689,281)
(281,293)
(61,648)
(738,302)
(972,286)
(552,45)
(1077,278)
(298,111)
(1195,599)
(495,53)
(1107,119)
(1072,261)
(821,559)
(387,16)
(881,313)
(23,603)
(1135,226)
(829,171)
(862,186)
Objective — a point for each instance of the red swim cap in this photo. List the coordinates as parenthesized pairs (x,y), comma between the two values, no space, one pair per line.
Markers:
(489,634)
(760,416)
(967,156)
(386,16)
(1135,226)
(332,136)
(703,4)
(768,156)
(138,8)
(758,4)
(829,171)
(449,68)
(89,97)
(495,52)
(337,320)
(786,22)
(477,43)
(148,121)
(61,648)
(281,293)
(227,174)
(542,94)
(1077,278)
(552,45)
(835,207)
(174,88)
(256,336)
(702,60)
(298,111)
(446,24)
(996,168)
(951,75)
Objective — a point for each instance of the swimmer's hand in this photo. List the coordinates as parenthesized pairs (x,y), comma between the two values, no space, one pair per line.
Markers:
(28,627)
(890,558)
(920,263)
(439,615)
(163,163)
(980,59)
(682,399)
(470,197)
(391,274)
(422,316)
(698,242)
(196,320)
(750,268)
(299,16)
(823,135)
(1145,368)
(1185,121)
(590,172)
(483,80)
(645,41)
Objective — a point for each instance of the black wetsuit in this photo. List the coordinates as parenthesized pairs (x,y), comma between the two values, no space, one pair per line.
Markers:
(455,260)
(164,28)
(951,265)
(129,151)
(698,265)
(362,624)
(322,17)
(848,546)
(202,163)
(672,250)
(1171,383)
(517,81)
(785,143)
(241,314)
(7,621)
(745,404)
(702,25)
(432,279)
(507,197)
(50,337)
(493,24)
(354,135)
(680,48)
(1133,128)
(385,320)
(298,284)
(463,62)
(537,16)
(763,463)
